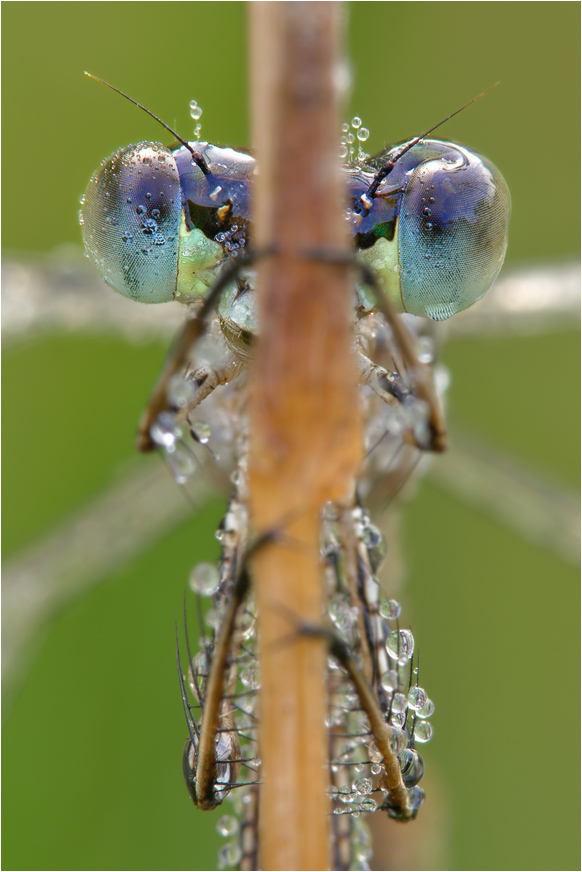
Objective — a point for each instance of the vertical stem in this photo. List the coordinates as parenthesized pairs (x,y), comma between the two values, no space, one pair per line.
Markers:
(305,433)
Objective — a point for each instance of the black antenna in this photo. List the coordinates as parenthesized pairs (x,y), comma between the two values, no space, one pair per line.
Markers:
(389,165)
(196,156)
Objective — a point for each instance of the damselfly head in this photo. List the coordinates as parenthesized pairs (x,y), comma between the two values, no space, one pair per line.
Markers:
(429,216)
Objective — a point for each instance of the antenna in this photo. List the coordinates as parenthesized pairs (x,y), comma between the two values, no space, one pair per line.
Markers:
(196,156)
(389,165)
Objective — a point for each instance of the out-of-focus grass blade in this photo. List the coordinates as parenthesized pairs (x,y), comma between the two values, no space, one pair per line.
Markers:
(122,522)
(61,292)
(541,511)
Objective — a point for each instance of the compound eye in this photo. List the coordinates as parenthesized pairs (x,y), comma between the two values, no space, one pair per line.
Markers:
(452,231)
(130,217)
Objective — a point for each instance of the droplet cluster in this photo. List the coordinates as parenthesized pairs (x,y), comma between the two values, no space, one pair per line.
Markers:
(357,785)
(350,133)
(385,654)
(196,114)
(189,435)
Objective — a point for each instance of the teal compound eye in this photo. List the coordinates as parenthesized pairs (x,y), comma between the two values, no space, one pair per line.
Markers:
(130,218)
(435,229)
(157,227)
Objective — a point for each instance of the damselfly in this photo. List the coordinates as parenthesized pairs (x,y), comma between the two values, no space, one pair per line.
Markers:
(428,220)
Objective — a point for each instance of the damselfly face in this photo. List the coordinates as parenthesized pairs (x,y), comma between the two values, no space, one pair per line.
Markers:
(434,229)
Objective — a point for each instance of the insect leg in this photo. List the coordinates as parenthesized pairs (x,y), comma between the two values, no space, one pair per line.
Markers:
(180,352)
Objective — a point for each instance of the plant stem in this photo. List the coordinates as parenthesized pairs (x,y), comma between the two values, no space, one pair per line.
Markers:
(305,442)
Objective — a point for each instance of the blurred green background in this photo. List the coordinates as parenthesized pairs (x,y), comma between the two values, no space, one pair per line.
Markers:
(92,737)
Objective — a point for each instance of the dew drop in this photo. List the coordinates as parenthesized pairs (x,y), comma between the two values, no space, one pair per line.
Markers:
(164,431)
(375,543)
(389,680)
(398,740)
(425,349)
(179,391)
(195,110)
(229,855)
(201,432)
(227,825)
(204,579)
(363,134)
(363,785)
(356,122)
(411,766)
(213,619)
(398,719)
(181,463)
(389,609)
(399,703)
(149,226)
(415,797)
(416,698)
(427,709)
(342,615)
(369,804)
(249,676)
(422,731)
(400,645)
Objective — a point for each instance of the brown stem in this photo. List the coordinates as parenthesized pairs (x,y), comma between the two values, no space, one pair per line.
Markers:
(305,443)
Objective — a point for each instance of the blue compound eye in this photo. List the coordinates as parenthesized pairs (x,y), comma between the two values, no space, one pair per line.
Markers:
(437,229)
(157,228)
(131,217)
(452,233)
